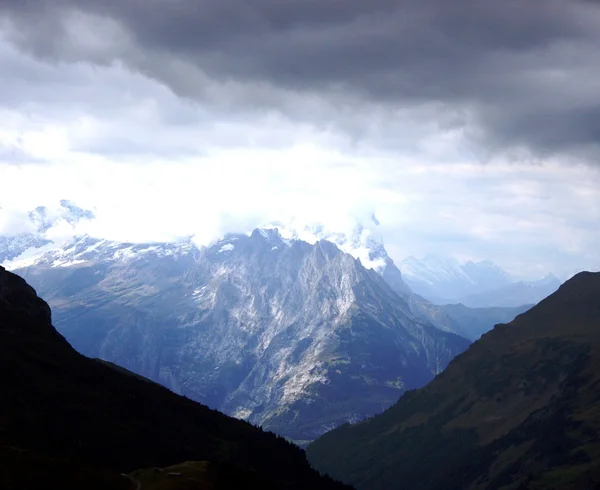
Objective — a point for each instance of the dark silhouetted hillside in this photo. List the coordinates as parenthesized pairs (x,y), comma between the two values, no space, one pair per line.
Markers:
(75,422)
(520,409)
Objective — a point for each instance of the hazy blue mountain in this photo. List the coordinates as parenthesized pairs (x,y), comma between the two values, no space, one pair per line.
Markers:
(465,321)
(475,284)
(519,292)
(441,279)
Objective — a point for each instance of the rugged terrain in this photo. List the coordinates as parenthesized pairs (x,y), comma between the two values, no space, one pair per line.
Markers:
(67,421)
(294,336)
(292,327)
(520,409)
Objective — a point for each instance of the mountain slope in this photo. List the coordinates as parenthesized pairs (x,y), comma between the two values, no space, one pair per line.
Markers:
(363,242)
(474,322)
(519,409)
(519,292)
(467,322)
(62,412)
(293,336)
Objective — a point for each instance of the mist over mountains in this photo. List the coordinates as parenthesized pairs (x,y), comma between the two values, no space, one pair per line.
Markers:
(295,328)
(263,245)
(301,338)
(474,284)
(294,336)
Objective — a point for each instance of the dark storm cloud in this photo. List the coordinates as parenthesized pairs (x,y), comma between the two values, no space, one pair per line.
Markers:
(518,73)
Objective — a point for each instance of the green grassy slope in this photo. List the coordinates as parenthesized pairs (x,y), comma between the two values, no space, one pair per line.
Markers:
(519,409)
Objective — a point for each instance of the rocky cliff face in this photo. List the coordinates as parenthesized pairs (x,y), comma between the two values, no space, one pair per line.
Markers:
(295,336)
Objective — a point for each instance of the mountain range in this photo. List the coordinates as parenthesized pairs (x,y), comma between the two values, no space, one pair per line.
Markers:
(35,241)
(299,331)
(474,284)
(71,422)
(292,336)
(294,328)
(520,409)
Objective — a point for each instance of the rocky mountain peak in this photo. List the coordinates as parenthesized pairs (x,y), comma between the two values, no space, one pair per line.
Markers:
(265,327)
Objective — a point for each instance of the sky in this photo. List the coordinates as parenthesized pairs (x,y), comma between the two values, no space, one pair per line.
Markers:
(470,128)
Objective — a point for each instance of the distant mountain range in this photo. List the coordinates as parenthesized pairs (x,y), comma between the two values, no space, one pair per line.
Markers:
(520,409)
(474,284)
(70,422)
(294,328)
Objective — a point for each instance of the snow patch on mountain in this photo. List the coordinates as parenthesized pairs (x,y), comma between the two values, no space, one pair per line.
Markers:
(263,326)
(362,240)
(43,229)
(86,249)
(228,247)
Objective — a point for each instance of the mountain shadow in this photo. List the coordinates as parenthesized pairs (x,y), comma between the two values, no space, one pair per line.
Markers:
(67,421)
(520,409)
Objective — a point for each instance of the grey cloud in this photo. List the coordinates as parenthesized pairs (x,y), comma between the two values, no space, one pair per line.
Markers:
(522,73)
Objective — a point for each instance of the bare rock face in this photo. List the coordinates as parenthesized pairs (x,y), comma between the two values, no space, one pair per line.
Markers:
(294,336)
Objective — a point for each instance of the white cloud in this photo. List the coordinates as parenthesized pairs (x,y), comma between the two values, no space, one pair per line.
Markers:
(157,167)
(14,222)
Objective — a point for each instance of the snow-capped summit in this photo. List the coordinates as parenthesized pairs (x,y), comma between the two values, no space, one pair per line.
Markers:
(89,250)
(50,227)
(262,326)
(362,240)
(40,219)
(265,325)
(475,284)
(45,218)
(445,278)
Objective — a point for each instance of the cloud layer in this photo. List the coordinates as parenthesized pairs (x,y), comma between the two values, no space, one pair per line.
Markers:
(471,128)
(512,75)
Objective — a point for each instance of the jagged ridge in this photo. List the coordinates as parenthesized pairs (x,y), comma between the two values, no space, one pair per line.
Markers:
(293,336)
